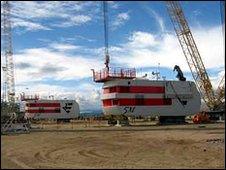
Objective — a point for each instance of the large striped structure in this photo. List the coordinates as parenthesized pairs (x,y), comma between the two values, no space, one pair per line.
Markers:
(150,97)
(51,109)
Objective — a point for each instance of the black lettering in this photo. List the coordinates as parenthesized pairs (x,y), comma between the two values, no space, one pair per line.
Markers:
(66,108)
(125,110)
(132,109)
(128,109)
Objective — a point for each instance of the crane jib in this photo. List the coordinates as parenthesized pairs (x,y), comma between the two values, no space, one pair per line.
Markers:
(192,54)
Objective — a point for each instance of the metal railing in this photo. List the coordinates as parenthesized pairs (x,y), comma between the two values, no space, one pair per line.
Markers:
(117,72)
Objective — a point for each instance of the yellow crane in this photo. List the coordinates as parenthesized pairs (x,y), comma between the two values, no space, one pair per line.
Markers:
(193,57)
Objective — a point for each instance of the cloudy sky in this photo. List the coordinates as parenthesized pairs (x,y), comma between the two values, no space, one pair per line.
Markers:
(56,44)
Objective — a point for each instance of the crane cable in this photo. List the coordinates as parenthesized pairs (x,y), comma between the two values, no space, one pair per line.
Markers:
(222,11)
(107,59)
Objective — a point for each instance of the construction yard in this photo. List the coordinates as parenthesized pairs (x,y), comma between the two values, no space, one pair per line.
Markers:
(95,145)
(54,115)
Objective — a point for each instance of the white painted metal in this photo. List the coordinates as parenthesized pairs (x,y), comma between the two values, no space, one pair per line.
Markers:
(130,95)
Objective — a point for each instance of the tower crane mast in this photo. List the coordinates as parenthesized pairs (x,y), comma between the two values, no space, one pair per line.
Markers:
(192,54)
(8,68)
(105,13)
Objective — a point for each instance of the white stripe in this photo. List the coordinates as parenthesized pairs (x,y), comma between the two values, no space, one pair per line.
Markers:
(130,95)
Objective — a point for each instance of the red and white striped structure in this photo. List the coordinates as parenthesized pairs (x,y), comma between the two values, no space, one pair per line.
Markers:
(150,97)
(51,109)
(125,94)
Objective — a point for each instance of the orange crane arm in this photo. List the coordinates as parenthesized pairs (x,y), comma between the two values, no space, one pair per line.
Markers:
(221,90)
(191,53)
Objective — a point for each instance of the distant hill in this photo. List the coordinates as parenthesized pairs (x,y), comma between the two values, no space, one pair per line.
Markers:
(91,113)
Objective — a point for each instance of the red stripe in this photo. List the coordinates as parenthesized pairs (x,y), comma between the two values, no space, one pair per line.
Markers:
(43,104)
(147,89)
(136,102)
(134,89)
(44,111)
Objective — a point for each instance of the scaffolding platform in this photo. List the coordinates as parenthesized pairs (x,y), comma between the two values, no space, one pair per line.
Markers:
(12,125)
(113,73)
(24,97)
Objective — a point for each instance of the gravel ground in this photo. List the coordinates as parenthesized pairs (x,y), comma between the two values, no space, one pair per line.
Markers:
(92,145)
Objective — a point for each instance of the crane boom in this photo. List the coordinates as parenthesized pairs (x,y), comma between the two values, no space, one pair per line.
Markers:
(191,53)
(8,54)
(221,90)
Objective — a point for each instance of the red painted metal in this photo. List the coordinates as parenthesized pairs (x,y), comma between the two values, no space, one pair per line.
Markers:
(113,73)
(107,102)
(137,102)
(56,110)
(43,104)
(134,89)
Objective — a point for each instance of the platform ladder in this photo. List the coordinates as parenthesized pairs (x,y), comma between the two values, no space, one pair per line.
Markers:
(13,126)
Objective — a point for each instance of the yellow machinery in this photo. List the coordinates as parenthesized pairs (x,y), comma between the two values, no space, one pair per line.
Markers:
(213,100)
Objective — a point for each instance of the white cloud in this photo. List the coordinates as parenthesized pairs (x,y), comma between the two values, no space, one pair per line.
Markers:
(34,9)
(146,50)
(123,16)
(45,9)
(91,101)
(64,47)
(113,4)
(194,17)
(215,80)
(43,63)
(80,19)
(210,44)
(142,40)
(73,21)
(156,16)
(84,38)
(120,19)
(28,25)
(28,14)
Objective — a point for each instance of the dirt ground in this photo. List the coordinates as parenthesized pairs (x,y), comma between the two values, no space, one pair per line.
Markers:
(92,146)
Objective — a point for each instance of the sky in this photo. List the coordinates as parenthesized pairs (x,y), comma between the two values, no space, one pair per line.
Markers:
(57,43)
